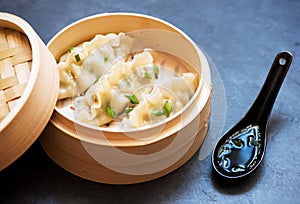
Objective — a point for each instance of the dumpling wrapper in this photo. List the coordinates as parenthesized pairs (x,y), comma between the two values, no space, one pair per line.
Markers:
(91,108)
(96,56)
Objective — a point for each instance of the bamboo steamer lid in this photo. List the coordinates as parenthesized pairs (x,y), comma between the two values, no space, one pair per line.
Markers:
(28,87)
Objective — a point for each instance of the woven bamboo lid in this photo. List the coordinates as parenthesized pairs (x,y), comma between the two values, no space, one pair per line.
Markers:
(28,87)
(15,67)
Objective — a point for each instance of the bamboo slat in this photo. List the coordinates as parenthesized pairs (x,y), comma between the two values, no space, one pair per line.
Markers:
(15,66)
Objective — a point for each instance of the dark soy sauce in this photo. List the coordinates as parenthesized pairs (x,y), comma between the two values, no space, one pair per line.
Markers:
(239,152)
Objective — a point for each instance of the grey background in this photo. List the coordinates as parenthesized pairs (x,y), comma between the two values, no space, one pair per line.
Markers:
(242,38)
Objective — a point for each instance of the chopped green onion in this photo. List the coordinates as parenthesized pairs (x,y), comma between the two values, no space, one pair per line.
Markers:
(157,112)
(110,112)
(224,150)
(128,110)
(71,48)
(148,75)
(237,142)
(156,71)
(77,57)
(97,79)
(167,108)
(254,142)
(133,99)
(105,58)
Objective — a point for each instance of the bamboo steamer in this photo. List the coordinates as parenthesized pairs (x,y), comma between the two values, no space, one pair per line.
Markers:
(28,87)
(127,157)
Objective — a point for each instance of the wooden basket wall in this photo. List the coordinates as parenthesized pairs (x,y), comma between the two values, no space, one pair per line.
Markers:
(15,67)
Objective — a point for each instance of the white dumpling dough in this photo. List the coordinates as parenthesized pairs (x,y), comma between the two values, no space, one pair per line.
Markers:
(91,108)
(95,57)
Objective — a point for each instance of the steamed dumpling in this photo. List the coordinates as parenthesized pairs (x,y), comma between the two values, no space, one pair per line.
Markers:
(84,64)
(151,109)
(93,107)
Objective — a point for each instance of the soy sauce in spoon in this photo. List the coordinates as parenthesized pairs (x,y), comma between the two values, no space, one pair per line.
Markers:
(241,149)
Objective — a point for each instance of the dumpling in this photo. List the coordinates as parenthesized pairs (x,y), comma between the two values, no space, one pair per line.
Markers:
(104,101)
(85,63)
(152,107)
(141,115)
(183,87)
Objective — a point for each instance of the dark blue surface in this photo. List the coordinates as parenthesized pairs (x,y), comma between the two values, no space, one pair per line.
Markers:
(242,38)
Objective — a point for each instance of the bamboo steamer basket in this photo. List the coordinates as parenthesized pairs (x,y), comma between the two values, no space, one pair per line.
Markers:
(127,157)
(28,87)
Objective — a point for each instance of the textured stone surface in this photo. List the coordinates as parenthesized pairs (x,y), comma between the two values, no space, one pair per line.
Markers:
(242,38)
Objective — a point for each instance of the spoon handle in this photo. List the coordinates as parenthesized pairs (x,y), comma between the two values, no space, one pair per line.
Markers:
(261,108)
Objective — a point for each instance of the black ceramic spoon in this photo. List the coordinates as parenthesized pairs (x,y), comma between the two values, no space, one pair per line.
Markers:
(241,149)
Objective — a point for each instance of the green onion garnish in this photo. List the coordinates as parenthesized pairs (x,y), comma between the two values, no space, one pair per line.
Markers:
(167,108)
(237,142)
(157,112)
(128,110)
(110,112)
(148,75)
(105,58)
(97,79)
(133,99)
(77,57)
(71,48)
(156,71)
(254,142)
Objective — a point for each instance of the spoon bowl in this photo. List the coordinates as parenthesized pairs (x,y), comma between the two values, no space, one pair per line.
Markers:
(241,149)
